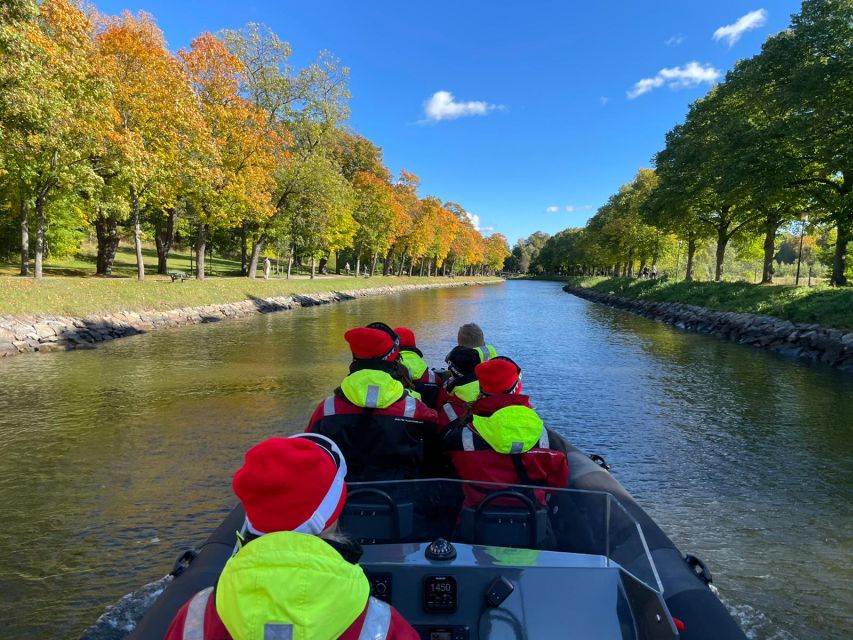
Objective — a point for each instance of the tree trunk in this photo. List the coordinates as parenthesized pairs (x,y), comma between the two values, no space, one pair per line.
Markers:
(313,264)
(289,262)
(25,238)
(39,236)
(373,266)
(387,265)
(771,224)
(402,265)
(257,247)
(839,261)
(200,249)
(244,249)
(164,236)
(722,241)
(691,252)
(322,266)
(422,267)
(358,265)
(137,235)
(106,232)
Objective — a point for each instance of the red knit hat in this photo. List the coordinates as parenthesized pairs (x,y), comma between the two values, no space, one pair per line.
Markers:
(369,344)
(292,484)
(498,375)
(407,337)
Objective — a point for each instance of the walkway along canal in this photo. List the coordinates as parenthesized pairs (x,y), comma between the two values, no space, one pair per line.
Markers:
(112,460)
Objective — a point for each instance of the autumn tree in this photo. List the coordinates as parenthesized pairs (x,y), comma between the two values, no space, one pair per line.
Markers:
(53,112)
(238,178)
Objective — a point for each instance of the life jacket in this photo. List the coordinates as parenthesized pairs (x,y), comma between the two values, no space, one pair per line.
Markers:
(504,442)
(427,382)
(456,400)
(487,352)
(378,425)
(289,585)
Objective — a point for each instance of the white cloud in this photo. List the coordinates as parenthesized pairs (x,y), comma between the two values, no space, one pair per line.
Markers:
(569,208)
(674,41)
(604,100)
(443,106)
(474,219)
(731,33)
(689,75)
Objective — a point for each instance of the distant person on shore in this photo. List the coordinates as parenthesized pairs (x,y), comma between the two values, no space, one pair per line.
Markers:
(293,574)
(267,266)
(471,335)
(346,266)
(654,272)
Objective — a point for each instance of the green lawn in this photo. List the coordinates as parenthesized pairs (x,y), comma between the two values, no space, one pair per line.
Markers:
(83,263)
(62,295)
(829,307)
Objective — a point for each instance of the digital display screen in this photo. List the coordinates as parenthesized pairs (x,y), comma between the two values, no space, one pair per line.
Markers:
(440,597)
(440,635)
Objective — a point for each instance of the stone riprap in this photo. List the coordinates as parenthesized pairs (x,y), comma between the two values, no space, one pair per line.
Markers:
(45,333)
(811,341)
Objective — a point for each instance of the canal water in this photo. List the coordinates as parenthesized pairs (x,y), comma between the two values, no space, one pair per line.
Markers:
(114,460)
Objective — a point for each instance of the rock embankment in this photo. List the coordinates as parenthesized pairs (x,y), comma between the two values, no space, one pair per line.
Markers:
(811,341)
(44,333)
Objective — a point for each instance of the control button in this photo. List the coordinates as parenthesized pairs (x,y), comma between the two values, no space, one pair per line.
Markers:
(380,586)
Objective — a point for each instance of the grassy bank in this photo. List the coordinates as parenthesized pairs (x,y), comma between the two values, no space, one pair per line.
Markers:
(822,305)
(76,296)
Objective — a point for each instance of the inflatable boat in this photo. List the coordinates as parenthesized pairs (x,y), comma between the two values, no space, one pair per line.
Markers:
(586,563)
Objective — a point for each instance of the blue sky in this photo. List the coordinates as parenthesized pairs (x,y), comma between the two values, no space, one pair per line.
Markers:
(554,104)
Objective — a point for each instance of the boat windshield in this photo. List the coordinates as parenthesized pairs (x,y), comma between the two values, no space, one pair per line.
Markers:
(522,517)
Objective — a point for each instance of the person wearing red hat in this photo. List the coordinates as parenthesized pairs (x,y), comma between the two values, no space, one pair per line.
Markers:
(503,440)
(426,381)
(293,491)
(377,423)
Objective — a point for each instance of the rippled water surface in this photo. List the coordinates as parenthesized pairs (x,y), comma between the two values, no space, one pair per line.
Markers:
(113,460)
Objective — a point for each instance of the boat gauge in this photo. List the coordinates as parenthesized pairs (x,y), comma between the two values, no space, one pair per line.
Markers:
(440,594)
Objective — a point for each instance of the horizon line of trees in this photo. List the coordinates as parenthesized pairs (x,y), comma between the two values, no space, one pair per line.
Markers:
(104,132)
(767,150)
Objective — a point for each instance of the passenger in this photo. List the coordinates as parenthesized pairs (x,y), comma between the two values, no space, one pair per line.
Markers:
(471,335)
(504,441)
(287,580)
(461,388)
(378,425)
(426,382)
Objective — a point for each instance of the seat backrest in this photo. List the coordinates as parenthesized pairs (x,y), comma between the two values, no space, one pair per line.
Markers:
(373,516)
(495,523)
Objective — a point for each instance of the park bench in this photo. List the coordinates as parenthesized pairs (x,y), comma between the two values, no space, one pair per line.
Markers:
(177,275)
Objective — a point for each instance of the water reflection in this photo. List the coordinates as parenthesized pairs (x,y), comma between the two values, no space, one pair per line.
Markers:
(115,459)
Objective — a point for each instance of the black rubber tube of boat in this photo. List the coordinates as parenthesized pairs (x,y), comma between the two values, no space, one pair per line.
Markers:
(203,572)
(688,598)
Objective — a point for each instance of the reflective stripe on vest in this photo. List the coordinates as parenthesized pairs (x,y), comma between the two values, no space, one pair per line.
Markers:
(376,621)
(411,405)
(329,406)
(372,398)
(484,353)
(544,441)
(449,412)
(467,439)
(194,622)
(431,377)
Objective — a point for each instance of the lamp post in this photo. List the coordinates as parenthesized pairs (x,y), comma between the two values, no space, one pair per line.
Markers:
(805,218)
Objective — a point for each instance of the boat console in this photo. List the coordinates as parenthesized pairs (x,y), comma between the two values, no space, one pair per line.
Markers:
(465,561)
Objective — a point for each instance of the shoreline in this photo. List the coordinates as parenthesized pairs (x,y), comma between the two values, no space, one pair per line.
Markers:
(812,342)
(45,333)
